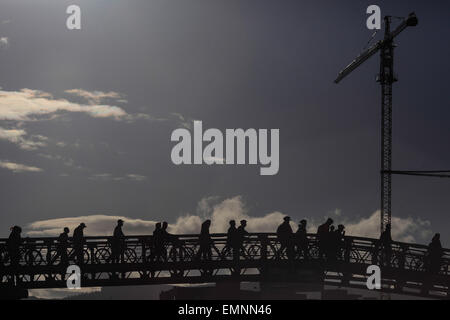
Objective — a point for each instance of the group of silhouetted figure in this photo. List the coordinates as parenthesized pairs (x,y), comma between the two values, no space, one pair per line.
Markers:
(331,243)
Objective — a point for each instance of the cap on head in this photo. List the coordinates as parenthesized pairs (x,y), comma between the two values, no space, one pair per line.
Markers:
(119,221)
(287,218)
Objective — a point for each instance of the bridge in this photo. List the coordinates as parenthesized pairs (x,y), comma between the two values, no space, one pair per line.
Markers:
(404,270)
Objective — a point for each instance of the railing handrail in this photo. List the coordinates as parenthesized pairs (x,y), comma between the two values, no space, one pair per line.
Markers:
(256,235)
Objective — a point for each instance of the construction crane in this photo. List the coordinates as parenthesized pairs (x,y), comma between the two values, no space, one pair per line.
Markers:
(386,78)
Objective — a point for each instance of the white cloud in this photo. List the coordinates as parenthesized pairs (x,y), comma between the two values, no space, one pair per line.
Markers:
(220,212)
(68,162)
(404,229)
(185,122)
(101,176)
(102,225)
(188,224)
(4,41)
(111,177)
(17,136)
(136,177)
(206,205)
(16,167)
(27,105)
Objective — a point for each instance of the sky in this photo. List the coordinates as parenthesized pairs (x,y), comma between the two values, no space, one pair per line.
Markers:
(86,115)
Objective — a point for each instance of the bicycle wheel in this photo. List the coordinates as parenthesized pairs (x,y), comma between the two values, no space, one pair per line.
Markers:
(103,255)
(130,256)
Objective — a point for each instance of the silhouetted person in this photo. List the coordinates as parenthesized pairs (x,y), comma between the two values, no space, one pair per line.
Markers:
(232,239)
(78,243)
(241,234)
(118,242)
(63,243)
(435,253)
(231,233)
(13,245)
(386,245)
(301,239)
(323,237)
(335,242)
(158,241)
(341,230)
(205,241)
(168,237)
(164,230)
(284,234)
(340,240)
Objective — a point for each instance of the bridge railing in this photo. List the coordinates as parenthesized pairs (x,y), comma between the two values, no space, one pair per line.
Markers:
(185,248)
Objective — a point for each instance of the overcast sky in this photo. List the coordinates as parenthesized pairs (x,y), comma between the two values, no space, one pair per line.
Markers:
(86,116)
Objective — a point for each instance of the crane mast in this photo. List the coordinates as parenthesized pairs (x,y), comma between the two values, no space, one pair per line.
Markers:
(386,78)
